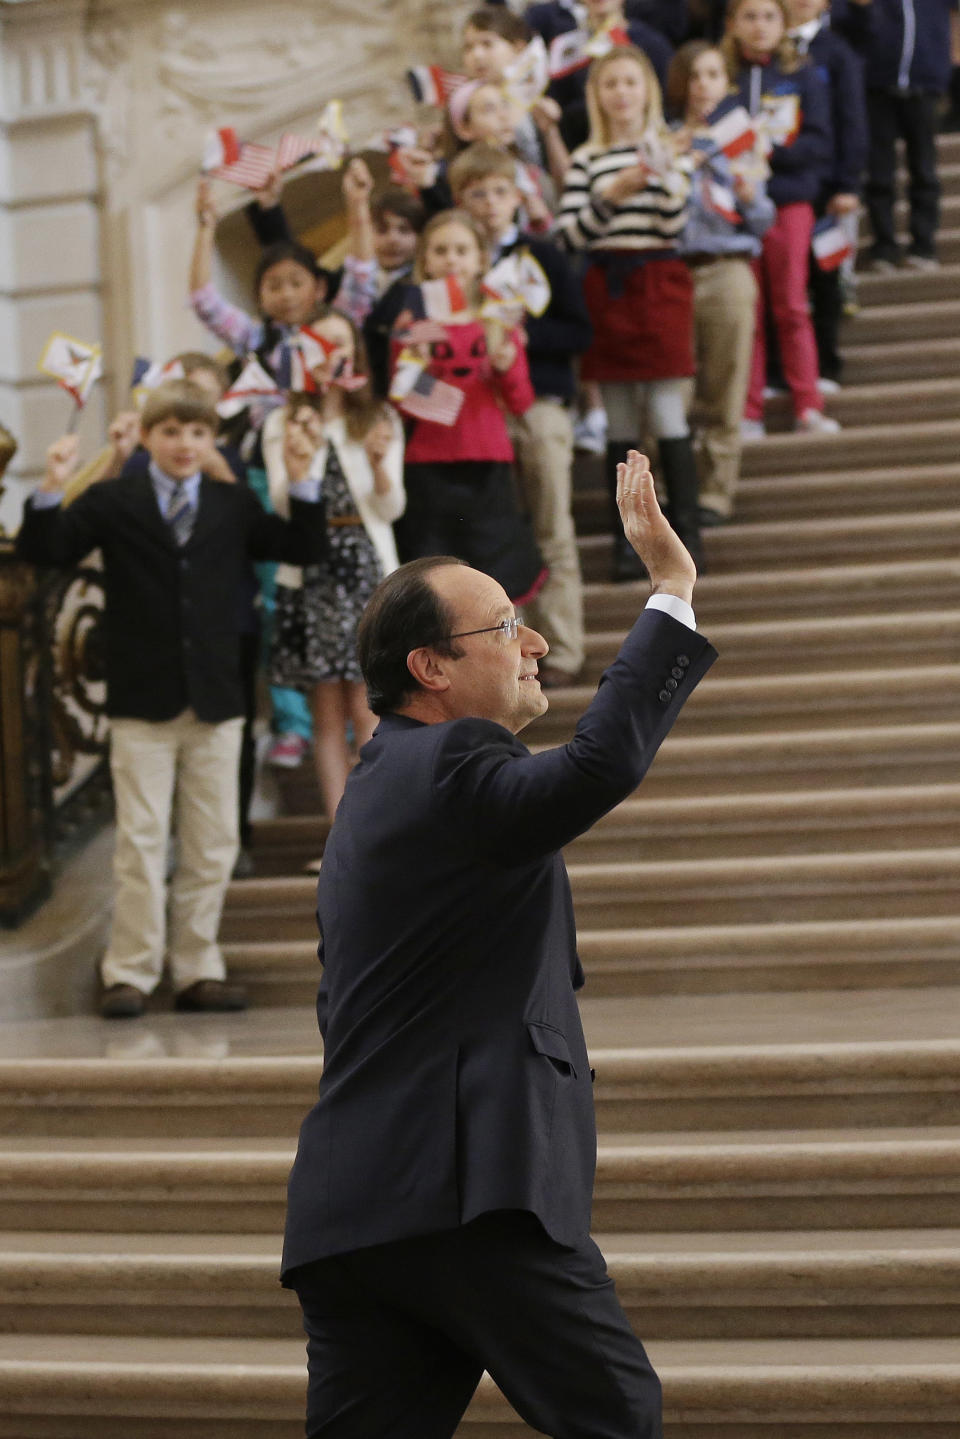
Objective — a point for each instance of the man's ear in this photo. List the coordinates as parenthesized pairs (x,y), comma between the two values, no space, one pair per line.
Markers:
(428,669)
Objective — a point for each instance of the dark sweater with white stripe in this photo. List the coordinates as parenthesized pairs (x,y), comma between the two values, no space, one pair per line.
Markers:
(652,219)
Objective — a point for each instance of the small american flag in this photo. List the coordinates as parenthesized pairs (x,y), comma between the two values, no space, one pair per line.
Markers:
(433,400)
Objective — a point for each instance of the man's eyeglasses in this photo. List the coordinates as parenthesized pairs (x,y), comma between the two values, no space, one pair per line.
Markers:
(509,628)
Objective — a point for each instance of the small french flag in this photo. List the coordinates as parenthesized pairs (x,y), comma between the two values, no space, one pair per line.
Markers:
(735,133)
(830,245)
(722,201)
(442,298)
(432,85)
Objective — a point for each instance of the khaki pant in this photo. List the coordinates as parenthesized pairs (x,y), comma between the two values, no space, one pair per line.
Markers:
(151,762)
(724,311)
(543,443)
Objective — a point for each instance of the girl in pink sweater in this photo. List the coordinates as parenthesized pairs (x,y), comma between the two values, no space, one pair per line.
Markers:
(461,497)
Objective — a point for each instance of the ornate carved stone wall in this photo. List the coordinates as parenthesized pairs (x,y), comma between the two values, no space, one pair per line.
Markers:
(103,108)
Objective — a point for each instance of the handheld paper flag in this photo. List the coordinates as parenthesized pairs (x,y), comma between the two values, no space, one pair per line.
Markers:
(76,365)
(421,395)
(721,200)
(734,133)
(442,298)
(225,157)
(831,246)
(432,85)
(517,282)
(252,384)
(148,374)
(526,78)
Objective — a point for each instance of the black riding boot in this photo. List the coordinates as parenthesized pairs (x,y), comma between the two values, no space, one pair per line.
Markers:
(679,470)
(627,564)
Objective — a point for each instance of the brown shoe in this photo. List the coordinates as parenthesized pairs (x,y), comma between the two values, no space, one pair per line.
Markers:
(211,996)
(122,1001)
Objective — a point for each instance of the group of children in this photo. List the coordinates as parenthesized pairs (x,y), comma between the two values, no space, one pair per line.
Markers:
(601,240)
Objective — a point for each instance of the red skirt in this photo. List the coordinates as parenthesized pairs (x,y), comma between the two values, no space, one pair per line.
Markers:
(642,313)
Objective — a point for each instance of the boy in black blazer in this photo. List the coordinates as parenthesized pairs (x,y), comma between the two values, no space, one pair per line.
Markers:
(175,544)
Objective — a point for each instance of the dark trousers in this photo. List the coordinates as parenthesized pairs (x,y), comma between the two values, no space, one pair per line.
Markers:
(399,1334)
(826,296)
(470,509)
(914,118)
(249,668)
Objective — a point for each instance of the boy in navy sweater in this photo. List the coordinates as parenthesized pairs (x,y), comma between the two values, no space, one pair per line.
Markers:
(907,53)
(483,180)
(842,73)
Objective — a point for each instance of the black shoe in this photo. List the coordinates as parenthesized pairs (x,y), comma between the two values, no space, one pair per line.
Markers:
(211,996)
(710,519)
(243,865)
(122,1001)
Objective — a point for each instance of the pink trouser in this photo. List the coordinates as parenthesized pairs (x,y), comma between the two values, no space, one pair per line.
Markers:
(782,271)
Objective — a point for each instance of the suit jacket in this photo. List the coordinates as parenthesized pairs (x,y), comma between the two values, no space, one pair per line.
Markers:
(172,616)
(456,1078)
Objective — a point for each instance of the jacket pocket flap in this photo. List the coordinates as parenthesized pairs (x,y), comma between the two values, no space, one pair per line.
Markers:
(550,1042)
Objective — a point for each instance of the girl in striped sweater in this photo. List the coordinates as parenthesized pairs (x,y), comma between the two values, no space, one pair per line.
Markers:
(625,204)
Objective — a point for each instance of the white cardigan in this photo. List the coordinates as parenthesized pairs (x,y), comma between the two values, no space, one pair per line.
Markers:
(376,511)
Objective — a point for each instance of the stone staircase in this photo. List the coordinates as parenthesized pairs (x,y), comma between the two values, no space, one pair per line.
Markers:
(771,934)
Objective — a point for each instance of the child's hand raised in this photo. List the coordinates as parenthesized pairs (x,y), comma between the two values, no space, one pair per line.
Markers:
(545,114)
(124,435)
(378,440)
(268,196)
(503,355)
(61,463)
(206,211)
(419,166)
(302,438)
(357,182)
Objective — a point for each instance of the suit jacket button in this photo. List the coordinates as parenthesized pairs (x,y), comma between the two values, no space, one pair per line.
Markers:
(683,661)
(665,696)
(670,685)
(677,672)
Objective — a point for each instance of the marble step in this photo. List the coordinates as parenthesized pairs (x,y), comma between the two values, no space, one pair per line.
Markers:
(711,827)
(831,541)
(687,959)
(907,441)
(793,759)
(900,586)
(68,1387)
(741,890)
(767,648)
(702,1181)
(935,487)
(832,494)
(674,1286)
(891,359)
(760,1082)
(810,695)
(918,320)
(906,286)
(859,406)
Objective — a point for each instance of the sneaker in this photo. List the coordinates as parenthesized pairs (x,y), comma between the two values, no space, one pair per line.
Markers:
(751,430)
(815,422)
(211,996)
(122,1001)
(915,261)
(590,433)
(770,392)
(287,751)
(827,386)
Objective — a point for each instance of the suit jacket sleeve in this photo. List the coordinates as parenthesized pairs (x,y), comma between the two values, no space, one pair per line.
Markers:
(301,540)
(524,806)
(62,535)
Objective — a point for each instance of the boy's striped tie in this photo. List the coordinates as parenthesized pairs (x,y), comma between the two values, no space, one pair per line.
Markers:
(180,517)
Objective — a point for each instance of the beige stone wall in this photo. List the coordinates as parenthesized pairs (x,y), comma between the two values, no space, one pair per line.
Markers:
(103,109)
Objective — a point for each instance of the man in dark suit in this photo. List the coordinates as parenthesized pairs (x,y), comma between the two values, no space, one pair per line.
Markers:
(439,1205)
(176,545)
